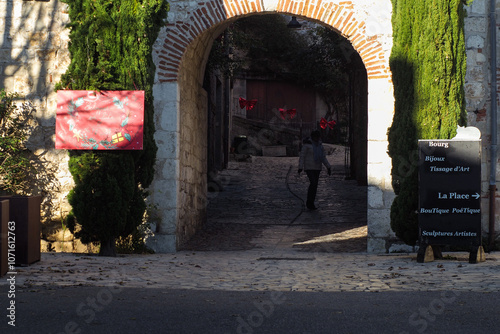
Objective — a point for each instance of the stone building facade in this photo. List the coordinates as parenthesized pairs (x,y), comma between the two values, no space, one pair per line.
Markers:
(33,56)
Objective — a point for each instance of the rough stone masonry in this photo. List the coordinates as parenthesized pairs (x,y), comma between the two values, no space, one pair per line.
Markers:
(33,55)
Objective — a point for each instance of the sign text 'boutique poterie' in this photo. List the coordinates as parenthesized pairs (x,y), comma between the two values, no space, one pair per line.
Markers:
(449,192)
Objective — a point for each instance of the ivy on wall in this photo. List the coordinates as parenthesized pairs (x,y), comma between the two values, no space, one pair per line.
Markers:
(428,69)
(111,44)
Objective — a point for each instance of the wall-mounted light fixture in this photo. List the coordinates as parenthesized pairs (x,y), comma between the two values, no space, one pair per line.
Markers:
(294,24)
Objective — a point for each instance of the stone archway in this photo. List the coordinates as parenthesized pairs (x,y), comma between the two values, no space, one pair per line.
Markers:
(179,189)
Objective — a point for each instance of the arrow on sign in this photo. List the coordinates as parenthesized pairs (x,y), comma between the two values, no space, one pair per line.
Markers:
(476,196)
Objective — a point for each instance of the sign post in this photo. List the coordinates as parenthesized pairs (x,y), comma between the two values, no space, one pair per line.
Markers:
(449,211)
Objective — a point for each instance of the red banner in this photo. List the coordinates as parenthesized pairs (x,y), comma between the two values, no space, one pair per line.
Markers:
(105,120)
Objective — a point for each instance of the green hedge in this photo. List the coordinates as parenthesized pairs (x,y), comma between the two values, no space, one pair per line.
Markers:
(111,49)
(428,69)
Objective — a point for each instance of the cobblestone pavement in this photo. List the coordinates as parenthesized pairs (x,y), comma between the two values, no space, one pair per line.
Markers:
(261,206)
(274,248)
(262,270)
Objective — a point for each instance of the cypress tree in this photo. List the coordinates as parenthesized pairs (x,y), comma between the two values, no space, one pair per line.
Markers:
(111,45)
(428,69)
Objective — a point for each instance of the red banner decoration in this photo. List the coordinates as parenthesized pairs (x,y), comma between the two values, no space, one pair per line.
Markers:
(323,123)
(290,112)
(105,120)
(249,104)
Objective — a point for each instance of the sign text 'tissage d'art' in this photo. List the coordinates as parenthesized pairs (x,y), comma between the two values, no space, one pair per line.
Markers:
(99,120)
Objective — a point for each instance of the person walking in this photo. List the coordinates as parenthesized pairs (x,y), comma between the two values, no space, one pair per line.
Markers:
(312,157)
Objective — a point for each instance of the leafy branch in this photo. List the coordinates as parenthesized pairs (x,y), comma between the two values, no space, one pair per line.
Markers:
(15,126)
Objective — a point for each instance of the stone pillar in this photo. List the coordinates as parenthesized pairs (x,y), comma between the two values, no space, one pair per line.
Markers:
(165,187)
(380,192)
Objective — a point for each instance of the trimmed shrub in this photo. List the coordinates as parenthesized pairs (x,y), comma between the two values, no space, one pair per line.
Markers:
(428,70)
(111,49)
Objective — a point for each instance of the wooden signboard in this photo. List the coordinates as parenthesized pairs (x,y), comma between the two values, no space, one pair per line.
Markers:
(105,120)
(449,193)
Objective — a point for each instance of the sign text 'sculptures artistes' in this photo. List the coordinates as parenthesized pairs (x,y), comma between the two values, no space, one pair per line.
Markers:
(104,120)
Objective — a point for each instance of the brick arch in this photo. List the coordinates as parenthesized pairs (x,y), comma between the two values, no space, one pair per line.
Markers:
(179,189)
(340,16)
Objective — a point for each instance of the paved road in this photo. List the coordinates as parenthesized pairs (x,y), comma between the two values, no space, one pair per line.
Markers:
(134,310)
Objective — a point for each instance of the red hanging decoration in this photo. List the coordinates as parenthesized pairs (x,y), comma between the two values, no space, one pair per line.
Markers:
(290,112)
(104,120)
(323,123)
(283,113)
(249,104)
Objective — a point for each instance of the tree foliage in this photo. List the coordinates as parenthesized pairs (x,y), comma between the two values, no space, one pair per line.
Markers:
(265,47)
(324,65)
(428,69)
(15,125)
(268,45)
(111,49)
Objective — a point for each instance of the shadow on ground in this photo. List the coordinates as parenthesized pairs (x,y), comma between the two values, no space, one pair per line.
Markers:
(261,207)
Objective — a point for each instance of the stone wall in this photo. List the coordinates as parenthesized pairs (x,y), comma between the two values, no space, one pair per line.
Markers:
(478,92)
(192,163)
(34,54)
(180,186)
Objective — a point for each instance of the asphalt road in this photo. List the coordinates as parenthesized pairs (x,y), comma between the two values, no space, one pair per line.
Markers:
(126,310)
